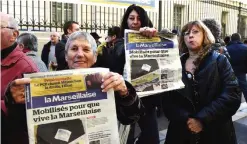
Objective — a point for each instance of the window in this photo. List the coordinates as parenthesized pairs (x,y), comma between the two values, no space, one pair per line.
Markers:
(68,10)
(223,23)
(242,26)
(177,17)
(56,12)
(62,12)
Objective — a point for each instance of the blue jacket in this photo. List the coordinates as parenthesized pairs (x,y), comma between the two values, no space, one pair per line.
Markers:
(238,53)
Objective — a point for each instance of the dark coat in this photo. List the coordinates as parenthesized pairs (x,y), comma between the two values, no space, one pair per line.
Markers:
(45,53)
(112,57)
(218,46)
(60,55)
(238,53)
(217,101)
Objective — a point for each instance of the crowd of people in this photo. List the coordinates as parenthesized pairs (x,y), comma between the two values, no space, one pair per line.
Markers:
(213,71)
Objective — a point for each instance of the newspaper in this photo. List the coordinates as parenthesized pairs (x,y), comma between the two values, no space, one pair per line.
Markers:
(69,107)
(152,64)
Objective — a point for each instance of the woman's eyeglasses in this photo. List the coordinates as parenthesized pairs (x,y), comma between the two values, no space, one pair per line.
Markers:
(194,32)
(7,27)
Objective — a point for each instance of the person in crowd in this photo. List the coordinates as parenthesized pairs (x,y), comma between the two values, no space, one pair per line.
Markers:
(68,28)
(110,52)
(80,52)
(29,43)
(245,42)
(238,53)
(96,37)
(14,63)
(135,18)
(201,113)
(215,28)
(48,52)
(227,40)
(176,32)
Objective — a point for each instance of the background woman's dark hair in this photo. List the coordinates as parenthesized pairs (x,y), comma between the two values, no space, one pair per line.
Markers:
(145,21)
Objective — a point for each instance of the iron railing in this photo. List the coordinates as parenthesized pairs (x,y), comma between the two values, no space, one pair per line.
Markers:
(43,15)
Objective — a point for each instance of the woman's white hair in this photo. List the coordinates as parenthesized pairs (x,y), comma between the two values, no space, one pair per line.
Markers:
(11,22)
(82,36)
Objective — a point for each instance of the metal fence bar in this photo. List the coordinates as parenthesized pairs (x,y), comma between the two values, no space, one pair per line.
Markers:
(56,16)
(50,15)
(33,20)
(20,23)
(91,21)
(95,18)
(100,26)
(44,15)
(1,5)
(7,7)
(81,16)
(27,24)
(86,23)
(66,6)
(14,7)
(100,18)
(39,15)
(61,24)
(104,19)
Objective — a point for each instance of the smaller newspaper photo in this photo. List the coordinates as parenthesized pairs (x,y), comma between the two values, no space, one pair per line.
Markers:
(69,107)
(152,64)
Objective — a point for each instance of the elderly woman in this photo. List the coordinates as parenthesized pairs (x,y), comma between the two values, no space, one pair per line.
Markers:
(81,53)
(201,112)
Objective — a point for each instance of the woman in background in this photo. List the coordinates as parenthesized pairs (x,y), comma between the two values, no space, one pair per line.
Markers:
(201,112)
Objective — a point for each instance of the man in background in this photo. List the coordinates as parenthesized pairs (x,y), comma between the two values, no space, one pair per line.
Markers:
(48,52)
(111,53)
(68,28)
(29,43)
(215,27)
(238,53)
(96,38)
(14,63)
(245,42)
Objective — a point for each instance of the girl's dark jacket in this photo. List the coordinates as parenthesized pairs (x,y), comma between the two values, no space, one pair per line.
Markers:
(217,101)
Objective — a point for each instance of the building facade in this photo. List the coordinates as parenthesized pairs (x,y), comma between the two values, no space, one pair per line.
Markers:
(231,14)
(46,16)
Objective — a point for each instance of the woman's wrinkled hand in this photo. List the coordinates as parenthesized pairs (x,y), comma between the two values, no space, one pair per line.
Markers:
(149,32)
(17,89)
(115,81)
(194,125)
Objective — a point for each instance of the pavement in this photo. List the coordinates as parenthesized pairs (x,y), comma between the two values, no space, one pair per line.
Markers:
(240,124)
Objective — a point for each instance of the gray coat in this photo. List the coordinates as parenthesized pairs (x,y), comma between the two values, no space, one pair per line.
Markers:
(37,60)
